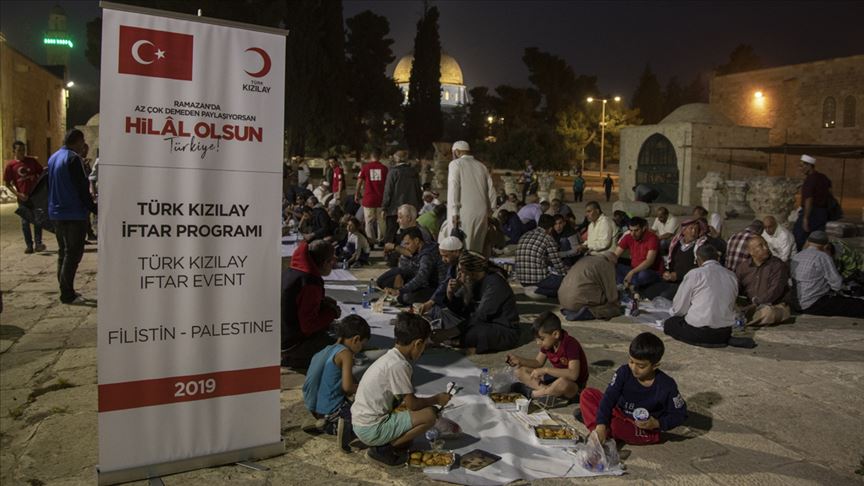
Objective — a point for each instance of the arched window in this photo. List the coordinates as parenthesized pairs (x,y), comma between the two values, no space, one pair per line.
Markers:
(849,111)
(829,113)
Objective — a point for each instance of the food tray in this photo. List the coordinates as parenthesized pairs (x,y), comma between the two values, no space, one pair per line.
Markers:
(432,469)
(505,401)
(571,436)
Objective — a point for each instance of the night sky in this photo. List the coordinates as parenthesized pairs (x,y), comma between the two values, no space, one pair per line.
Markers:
(612,40)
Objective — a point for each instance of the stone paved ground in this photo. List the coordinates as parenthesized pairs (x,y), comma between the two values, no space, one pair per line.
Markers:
(788,412)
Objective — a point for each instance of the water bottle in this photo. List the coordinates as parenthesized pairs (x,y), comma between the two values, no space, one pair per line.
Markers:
(485,382)
(739,322)
(365,301)
(353,311)
(433,435)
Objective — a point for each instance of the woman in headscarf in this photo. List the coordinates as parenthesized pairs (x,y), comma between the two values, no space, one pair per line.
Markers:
(481,301)
(680,259)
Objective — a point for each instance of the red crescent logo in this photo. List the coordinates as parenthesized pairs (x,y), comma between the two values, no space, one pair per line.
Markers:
(264,57)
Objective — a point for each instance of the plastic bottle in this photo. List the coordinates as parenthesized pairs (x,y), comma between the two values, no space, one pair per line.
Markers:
(433,435)
(485,382)
(365,301)
(739,322)
(353,311)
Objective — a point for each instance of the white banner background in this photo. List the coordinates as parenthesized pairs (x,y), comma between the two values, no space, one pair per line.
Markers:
(142,167)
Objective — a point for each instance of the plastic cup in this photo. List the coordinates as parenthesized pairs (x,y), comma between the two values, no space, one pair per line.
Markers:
(522,405)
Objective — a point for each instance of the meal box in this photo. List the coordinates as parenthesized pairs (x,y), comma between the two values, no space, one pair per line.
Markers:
(505,405)
(564,442)
(442,469)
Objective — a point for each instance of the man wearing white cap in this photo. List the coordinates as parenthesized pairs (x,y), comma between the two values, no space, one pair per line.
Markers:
(815,197)
(470,198)
(450,249)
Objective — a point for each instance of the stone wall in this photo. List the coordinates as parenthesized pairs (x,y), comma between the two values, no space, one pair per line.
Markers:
(33,99)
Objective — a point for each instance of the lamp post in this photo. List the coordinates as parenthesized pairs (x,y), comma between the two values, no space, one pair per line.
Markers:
(603,125)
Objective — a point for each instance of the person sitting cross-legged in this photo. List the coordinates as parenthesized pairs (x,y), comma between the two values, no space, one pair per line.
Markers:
(704,306)
(569,372)
(764,281)
(536,254)
(638,384)
(480,307)
(421,269)
(645,264)
(817,282)
(588,290)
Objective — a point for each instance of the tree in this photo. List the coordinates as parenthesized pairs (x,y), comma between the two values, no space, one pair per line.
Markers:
(557,83)
(648,97)
(373,95)
(742,58)
(696,91)
(315,84)
(576,132)
(673,96)
(423,121)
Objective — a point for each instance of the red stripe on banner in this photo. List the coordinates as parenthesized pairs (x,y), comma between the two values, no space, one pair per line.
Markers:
(176,389)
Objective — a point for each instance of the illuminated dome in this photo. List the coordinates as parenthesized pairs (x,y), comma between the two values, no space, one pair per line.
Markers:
(451,73)
(453,92)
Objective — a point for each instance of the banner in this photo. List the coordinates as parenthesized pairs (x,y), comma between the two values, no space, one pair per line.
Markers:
(191,144)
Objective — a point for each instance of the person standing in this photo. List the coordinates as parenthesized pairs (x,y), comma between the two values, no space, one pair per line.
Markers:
(69,206)
(470,197)
(335,175)
(607,187)
(20,176)
(815,196)
(370,184)
(578,187)
(402,186)
(303,171)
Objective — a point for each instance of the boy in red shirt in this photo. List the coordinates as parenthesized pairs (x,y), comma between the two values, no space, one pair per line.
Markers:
(569,372)
(21,175)
(645,262)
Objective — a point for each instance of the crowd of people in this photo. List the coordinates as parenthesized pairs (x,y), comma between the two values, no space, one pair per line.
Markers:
(443,268)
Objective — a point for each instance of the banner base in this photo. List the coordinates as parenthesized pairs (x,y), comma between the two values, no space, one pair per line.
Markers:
(174,467)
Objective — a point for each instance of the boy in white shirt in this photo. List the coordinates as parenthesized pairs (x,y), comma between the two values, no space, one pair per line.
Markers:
(387,383)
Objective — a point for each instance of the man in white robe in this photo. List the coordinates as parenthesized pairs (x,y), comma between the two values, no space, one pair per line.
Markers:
(470,198)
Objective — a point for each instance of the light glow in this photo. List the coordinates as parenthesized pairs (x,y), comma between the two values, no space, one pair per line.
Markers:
(758,95)
(51,41)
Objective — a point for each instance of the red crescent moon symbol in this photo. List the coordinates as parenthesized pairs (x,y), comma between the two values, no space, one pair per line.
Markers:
(264,57)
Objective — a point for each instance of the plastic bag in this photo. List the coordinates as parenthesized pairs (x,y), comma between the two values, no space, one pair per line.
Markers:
(661,303)
(447,428)
(597,457)
(503,379)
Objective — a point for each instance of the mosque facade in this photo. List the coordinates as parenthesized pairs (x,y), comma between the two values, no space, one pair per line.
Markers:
(453,91)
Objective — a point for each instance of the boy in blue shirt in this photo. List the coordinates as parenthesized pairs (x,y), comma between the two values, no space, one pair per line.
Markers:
(634,386)
(329,380)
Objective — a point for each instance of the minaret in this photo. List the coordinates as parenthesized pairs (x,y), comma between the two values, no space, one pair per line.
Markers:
(58,44)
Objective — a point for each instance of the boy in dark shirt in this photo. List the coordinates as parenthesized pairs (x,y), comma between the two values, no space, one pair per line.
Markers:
(569,372)
(637,385)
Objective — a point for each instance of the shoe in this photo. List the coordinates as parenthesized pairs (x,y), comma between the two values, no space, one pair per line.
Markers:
(79,300)
(439,337)
(344,434)
(28,250)
(387,456)
(40,247)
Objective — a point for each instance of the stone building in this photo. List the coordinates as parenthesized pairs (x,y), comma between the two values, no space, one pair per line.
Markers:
(813,108)
(675,154)
(453,91)
(32,104)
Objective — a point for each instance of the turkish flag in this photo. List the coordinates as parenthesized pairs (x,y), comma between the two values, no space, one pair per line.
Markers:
(156,53)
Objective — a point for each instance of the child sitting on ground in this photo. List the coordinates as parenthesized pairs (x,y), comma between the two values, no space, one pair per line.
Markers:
(638,384)
(388,382)
(569,372)
(329,380)
(356,252)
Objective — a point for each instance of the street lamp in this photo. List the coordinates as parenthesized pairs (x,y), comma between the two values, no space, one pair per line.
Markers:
(603,125)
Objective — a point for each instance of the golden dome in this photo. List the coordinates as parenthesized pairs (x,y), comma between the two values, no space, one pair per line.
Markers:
(451,73)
